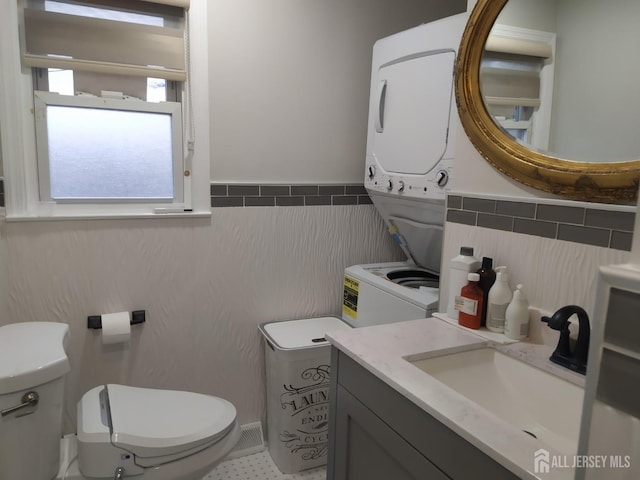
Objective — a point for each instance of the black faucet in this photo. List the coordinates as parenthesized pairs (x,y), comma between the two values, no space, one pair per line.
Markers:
(576,360)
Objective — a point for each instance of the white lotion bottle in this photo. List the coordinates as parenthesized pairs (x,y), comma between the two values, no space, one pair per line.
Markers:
(499,298)
(516,326)
(459,269)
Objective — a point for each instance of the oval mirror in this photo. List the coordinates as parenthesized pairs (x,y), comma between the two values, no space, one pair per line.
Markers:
(549,97)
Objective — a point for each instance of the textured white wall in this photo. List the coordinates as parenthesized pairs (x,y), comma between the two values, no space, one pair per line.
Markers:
(206,286)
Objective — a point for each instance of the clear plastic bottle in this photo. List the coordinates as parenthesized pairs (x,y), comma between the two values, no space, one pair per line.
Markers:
(459,267)
(499,298)
(469,303)
(516,324)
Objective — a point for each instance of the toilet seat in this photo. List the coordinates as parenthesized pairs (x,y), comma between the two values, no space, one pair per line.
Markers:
(147,427)
(153,423)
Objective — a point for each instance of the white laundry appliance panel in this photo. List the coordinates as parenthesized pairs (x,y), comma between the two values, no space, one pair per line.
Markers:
(408,167)
(410,140)
(417,226)
(375,294)
(412,116)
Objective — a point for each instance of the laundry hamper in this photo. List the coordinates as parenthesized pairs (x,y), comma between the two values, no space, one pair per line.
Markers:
(297,363)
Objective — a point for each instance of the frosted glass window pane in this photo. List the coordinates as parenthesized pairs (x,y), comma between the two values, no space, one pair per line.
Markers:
(97,153)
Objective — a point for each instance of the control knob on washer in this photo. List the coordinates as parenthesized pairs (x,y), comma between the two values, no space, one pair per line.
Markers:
(372,171)
(442,177)
(389,185)
(400,186)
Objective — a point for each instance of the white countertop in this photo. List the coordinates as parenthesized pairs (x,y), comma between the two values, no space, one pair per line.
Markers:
(383,349)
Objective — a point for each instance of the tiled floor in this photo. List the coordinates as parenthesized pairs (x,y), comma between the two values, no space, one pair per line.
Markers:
(259,466)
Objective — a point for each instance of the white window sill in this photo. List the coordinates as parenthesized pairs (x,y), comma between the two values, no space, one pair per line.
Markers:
(205,214)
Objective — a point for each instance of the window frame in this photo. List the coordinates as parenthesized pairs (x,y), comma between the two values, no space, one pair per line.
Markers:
(18,135)
(42,100)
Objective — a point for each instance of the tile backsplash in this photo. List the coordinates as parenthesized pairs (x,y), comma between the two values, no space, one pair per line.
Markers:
(580,224)
(259,195)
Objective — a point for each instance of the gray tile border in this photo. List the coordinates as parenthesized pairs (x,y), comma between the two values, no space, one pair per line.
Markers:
(355,190)
(538,228)
(479,204)
(304,189)
(587,235)
(331,189)
(290,201)
(608,219)
(277,195)
(461,216)
(317,200)
(454,201)
(591,226)
(621,240)
(219,190)
(259,201)
(243,190)
(561,213)
(516,209)
(274,190)
(495,222)
(227,202)
(344,200)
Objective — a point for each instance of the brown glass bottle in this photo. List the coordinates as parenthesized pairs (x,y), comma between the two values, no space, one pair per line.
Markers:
(470,302)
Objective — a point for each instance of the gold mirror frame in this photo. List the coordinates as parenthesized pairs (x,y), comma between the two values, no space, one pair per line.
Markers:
(586,181)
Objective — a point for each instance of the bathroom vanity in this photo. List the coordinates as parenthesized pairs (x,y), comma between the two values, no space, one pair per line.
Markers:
(390,419)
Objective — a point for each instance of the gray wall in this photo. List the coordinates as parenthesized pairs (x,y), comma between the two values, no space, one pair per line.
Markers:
(596,95)
(290,84)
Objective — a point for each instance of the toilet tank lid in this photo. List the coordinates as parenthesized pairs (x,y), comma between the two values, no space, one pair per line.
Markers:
(32,354)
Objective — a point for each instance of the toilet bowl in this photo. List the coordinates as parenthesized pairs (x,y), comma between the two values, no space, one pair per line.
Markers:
(123,431)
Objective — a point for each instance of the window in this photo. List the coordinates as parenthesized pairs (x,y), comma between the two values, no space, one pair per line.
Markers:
(516,80)
(100,149)
(106,134)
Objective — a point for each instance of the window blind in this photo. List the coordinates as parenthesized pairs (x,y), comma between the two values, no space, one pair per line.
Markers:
(508,79)
(138,38)
(518,46)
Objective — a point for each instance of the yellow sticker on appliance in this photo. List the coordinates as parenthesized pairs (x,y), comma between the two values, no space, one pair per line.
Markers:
(350,298)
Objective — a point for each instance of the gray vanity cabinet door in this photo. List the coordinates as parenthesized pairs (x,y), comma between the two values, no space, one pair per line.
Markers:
(368,449)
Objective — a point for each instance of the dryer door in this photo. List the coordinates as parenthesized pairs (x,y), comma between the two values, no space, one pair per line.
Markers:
(411,118)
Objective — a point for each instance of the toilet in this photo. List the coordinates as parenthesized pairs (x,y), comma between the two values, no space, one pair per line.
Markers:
(123,431)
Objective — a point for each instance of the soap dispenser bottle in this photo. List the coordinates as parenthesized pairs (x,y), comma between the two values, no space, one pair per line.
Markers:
(459,268)
(487,279)
(499,298)
(516,324)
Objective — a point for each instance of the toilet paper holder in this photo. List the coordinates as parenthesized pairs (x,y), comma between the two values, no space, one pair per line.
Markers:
(95,321)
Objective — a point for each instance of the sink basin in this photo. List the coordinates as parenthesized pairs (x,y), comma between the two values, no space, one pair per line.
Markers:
(536,402)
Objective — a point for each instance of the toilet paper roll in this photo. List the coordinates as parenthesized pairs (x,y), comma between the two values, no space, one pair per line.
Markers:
(116,328)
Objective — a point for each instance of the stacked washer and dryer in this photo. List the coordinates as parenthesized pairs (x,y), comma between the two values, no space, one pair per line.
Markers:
(409,165)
